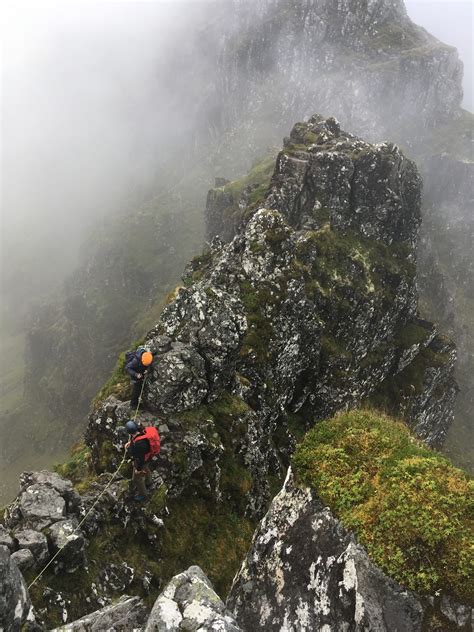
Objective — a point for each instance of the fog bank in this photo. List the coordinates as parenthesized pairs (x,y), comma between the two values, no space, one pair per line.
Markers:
(90,94)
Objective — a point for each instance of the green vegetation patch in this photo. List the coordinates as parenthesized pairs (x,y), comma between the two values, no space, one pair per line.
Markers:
(257,181)
(410,508)
(391,36)
(79,467)
(258,176)
(413,334)
(260,331)
(333,263)
(211,536)
(118,384)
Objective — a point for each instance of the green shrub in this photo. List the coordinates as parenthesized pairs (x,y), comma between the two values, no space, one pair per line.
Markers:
(410,508)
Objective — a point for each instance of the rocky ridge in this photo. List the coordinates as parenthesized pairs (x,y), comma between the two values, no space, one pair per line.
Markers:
(383,77)
(310,309)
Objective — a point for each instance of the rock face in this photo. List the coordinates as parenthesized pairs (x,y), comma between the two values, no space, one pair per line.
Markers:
(447,265)
(189,603)
(128,614)
(369,65)
(305,572)
(383,77)
(277,62)
(314,254)
(15,604)
(42,520)
(310,309)
(35,542)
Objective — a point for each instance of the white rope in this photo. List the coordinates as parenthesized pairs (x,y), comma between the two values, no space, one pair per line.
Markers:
(94,503)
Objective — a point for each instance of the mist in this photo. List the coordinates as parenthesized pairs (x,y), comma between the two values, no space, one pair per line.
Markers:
(92,105)
(96,98)
(104,104)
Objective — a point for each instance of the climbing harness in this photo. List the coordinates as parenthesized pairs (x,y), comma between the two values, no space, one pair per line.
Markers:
(96,500)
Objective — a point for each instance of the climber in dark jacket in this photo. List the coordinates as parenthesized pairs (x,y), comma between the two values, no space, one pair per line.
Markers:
(137,366)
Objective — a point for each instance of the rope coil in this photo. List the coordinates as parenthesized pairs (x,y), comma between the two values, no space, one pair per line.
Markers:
(95,501)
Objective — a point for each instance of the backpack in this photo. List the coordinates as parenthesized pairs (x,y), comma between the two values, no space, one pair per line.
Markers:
(151,433)
(129,355)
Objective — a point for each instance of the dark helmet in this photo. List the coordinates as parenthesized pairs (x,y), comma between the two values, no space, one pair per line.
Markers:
(131,427)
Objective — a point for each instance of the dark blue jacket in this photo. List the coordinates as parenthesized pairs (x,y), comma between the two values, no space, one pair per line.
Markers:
(134,366)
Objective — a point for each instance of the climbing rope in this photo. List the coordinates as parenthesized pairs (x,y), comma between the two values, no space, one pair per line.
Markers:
(95,501)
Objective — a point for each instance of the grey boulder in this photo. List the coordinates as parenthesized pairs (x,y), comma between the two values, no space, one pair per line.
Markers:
(6,539)
(65,537)
(129,613)
(305,572)
(189,603)
(41,505)
(15,604)
(34,541)
(23,559)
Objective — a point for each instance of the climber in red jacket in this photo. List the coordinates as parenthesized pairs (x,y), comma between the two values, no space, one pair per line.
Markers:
(143,445)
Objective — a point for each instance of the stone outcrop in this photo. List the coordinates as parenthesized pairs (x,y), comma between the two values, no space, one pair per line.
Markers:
(189,603)
(383,77)
(129,613)
(367,63)
(34,541)
(310,309)
(43,519)
(379,73)
(16,612)
(304,572)
(327,253)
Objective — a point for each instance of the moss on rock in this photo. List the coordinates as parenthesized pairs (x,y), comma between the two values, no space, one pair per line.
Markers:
(410,508)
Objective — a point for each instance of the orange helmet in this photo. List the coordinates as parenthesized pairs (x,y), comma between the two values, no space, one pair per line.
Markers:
(146,358)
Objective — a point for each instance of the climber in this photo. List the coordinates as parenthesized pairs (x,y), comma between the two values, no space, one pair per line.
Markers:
(143,445)
(137,364)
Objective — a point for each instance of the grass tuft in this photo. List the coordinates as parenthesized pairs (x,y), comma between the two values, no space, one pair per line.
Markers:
(410,508)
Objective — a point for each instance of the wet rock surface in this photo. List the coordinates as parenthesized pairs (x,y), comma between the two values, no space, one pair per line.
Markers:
(189,603)
(129,613)
(328,254)
(65,536)
(305,571)
(414,80)
(310,309)
(15,605)
(23,559)
(44,520)
(6,539)
(34,541)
